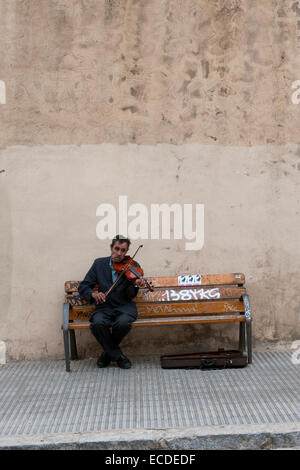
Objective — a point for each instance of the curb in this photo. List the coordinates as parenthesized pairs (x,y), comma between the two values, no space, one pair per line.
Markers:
(227,437)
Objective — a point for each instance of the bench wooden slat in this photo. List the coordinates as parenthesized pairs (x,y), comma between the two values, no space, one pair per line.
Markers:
(173,320)
(71,286)
(182,280)
(173,308)
(189,280)
(192,308)
(81,313)
(193,319)
(74,299)
(78,326)
(189,294)
(175,294)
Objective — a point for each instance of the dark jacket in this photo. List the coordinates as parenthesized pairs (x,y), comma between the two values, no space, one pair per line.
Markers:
(120,298)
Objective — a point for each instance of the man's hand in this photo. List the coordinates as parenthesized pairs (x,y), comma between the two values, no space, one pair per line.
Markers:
(140,283)
(99,297)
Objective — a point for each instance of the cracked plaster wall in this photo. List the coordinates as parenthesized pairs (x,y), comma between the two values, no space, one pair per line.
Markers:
(190,101)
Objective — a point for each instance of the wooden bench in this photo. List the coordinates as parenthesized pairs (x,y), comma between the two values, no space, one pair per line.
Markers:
(186,299)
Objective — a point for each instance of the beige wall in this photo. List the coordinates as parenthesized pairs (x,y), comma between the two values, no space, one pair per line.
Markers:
(162,101)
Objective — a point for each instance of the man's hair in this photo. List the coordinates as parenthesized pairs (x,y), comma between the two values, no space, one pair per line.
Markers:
(121,239)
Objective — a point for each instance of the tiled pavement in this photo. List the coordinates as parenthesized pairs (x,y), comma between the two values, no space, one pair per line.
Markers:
(40,398)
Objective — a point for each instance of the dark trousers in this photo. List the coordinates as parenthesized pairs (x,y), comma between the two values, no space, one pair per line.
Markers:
(120,324)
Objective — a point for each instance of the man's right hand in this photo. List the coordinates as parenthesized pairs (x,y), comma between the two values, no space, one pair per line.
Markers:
(99,297)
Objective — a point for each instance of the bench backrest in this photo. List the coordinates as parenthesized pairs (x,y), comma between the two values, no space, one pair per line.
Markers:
(178,295)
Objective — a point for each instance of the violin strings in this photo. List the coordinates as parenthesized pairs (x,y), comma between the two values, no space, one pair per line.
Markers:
(121,274)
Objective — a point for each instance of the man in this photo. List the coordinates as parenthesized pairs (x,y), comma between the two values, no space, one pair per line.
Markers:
(116,310)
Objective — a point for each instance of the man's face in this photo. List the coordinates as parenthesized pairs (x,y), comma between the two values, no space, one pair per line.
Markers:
(118,251)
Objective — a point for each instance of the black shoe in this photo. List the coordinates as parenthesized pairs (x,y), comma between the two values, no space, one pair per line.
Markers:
(103,360)
(124,362)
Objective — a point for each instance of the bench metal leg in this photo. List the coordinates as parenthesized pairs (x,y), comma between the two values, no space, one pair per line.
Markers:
(74,354)
(248,326)
(249,341)
(242,337)
(66,334)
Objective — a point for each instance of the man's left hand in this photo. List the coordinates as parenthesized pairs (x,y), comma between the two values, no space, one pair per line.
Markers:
(140,283)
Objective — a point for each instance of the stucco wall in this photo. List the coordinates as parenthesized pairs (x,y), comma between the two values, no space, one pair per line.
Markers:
(165,102)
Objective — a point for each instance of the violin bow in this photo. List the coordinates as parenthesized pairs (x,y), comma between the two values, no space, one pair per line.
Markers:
(121,274)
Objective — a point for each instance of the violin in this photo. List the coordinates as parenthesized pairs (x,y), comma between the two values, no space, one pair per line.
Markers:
(131,270)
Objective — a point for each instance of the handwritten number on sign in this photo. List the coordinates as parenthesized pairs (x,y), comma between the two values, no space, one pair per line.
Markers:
(190,294)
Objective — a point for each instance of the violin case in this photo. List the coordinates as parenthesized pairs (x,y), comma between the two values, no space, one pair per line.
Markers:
(205,360)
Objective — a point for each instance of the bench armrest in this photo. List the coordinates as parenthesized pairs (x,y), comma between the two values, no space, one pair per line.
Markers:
(248,314)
